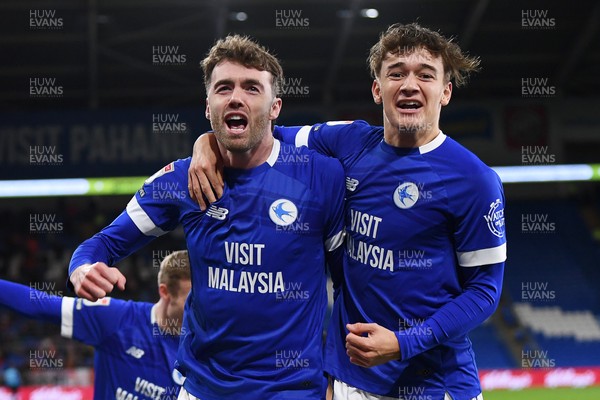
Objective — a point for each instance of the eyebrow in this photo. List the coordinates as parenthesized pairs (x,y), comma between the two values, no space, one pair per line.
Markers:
(245,82)
(421,66)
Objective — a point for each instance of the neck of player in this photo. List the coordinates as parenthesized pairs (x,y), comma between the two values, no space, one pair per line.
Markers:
(163,320)
(250,158)
(407,138)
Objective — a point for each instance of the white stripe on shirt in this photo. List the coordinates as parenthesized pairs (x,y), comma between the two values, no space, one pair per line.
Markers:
(142,220)
(66,320)
(477,258)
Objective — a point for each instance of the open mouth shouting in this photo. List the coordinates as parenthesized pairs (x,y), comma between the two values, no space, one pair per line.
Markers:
(409,106)
(236,122)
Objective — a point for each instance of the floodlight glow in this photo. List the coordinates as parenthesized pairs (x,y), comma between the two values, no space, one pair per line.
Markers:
(238,16)
(71,187)
(44,187)
(128,185)
(369,13)
(547,173)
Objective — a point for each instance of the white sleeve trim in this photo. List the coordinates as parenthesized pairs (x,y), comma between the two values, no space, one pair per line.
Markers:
(335,241)
(142,220)
(66,321)
(477,258)
(302,136)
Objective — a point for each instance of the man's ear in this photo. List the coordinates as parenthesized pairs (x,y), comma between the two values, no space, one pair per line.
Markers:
(376,91)
(275,108)
(163,292)
(447,94)
(207,110)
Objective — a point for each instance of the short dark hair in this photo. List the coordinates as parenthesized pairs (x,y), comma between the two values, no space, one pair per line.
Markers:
(246,52)
(403,39)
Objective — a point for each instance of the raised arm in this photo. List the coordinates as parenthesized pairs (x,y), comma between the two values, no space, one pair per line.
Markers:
(30,302)
(205,175)
(86,322)
(89,269)
(149,214)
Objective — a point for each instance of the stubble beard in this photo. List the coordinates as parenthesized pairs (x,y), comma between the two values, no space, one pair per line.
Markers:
(256,131)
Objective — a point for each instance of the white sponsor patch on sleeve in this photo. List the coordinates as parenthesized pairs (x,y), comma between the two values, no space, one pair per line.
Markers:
(332,123)
(495,218)
(100,302)
(166,169)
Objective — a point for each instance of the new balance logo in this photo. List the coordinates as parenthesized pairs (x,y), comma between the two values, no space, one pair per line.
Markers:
(351,184)
(135,352)
(217,212)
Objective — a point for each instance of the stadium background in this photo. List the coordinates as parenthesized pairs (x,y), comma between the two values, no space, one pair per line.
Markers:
(94,89)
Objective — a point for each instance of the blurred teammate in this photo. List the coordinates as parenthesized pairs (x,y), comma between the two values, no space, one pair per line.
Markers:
(255,314)
(425,245)
(135,342)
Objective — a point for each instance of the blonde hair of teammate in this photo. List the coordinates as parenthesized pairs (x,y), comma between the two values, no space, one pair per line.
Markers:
(174,268)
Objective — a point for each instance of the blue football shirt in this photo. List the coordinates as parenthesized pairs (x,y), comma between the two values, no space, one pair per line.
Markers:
(255,313)
(133,356)
(421,223)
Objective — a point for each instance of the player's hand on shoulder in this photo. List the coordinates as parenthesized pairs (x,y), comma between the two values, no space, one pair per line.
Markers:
(95,281)
(379,346)
(205,175)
